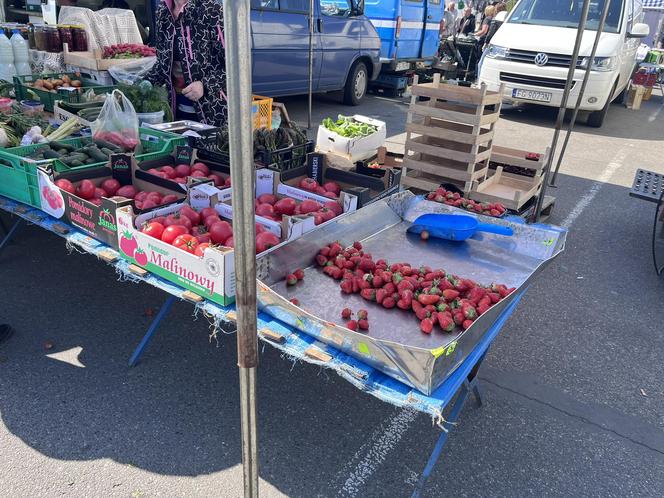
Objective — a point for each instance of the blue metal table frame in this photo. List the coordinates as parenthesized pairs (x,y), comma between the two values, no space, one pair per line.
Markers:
(292,342)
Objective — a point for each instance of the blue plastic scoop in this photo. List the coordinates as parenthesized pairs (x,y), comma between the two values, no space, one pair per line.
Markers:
(454,226)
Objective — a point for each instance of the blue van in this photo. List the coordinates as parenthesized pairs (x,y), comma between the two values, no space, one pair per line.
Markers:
(408,31)
(346,48)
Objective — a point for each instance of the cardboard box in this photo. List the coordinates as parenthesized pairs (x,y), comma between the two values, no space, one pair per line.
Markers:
(211,276)
(354,149)
(99,222)
(61,115)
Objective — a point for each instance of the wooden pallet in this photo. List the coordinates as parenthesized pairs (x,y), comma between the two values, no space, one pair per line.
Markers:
(450,136)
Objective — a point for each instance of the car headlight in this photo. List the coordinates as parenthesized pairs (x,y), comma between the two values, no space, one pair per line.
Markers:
(600,63)
(496,52)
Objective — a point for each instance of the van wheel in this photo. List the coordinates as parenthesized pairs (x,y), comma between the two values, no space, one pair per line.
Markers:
(356,84)
(596,119)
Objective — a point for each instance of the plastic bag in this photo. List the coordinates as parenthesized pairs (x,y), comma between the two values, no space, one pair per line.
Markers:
(117,122)
(132,72)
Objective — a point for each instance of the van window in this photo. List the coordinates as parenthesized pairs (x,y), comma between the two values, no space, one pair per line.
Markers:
(338,8)
(285,5)
(567,13)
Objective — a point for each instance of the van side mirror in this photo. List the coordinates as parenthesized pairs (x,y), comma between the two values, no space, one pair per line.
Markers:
(639,30)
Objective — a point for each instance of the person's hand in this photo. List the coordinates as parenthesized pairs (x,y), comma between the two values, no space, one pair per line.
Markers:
(193,91)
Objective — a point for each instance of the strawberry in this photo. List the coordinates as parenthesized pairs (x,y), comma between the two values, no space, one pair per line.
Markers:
(377,282)
(427,299)
(352,324)
(299,274)
(494,296)
(494,212)
(346,313)
(295,301)
(426,325)
(390,287)
(381,294)
(346,286)
(469,311)
(335,249)
(366,265)
(406,295)
(362,314)
(403,304)
(482,308)
(363,324)
(349,265)
(422,313)
(357,245)
(321,260)
(458,317)
(325,251)
(389,302)
(446,323)
(450,295)
(466,324)
(441,307)
(339,262)
(369,294)
(405,284)
(363,284)
(291,279)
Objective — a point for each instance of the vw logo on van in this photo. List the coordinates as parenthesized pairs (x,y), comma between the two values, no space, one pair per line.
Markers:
(541,59)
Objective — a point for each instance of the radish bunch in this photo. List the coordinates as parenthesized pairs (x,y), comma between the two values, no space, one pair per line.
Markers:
(128,51)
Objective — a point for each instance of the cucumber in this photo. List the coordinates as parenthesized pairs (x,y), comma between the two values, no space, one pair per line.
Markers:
(90,161)
(76,157)
(51,154)
(75,163)
(95,153)
(106,151)
(108,145)
(63,152)
(55,145)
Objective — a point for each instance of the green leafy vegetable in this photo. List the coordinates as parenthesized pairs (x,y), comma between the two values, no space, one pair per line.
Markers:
(347,127)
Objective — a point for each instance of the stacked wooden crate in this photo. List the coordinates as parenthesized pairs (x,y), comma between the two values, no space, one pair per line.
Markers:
(449,137)
(515,177)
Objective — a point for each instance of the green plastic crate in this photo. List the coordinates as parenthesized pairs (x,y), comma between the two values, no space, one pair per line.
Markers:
(49,98)
(18,173)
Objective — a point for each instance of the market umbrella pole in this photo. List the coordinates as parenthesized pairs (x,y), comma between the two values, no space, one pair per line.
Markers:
(563,106)
(311,61)
(586,76)
(238,82)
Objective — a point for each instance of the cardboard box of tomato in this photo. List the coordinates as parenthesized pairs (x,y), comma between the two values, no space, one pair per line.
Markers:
(190,247)
(295,210)
(88,199)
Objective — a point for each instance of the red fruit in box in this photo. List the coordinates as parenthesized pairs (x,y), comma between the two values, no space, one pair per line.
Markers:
(167,199)
(200,167)
(334,206)
(178,219)
(327,214)
(346,313)
(220,231)
(99,193)
(352,324)
(331,195)
(154,197)
(229,242)
(208,211)
(128,191)
(299,273)
(285,206)
(182,170)
(110,186)
(227,183)
(198,174)
(211,220)
(363,324)
(267,199)
(332,187)
(309,184)
(153,229)
(86,189)
(148,204)
(216,179)
(265,210)
(169,171)
(309,206)
(265,241)
(445,322)
(68,186)
(180,180)
(171,232)
(291,279)
(153,171)
(201,234)
(320,191)
(426,325)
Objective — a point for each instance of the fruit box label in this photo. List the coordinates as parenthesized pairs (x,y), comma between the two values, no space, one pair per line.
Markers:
(97,221)
(211,276)
(183,154)
(121,166)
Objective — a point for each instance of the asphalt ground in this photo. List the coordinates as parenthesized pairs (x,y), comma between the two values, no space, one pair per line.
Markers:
(573,398)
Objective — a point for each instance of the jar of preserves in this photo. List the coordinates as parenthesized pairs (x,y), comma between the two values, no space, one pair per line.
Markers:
(31,37)
(40,37)
(66,36)
(53,40)
(80,39)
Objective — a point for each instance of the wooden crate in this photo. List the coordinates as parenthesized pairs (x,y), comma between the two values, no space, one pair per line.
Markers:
(511,190)
(450,136)
(517,159)
(94,60)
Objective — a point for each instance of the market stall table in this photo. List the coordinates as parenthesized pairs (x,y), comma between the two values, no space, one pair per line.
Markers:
(294,343)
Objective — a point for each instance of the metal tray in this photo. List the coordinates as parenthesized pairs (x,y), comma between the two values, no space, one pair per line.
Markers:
(394,343)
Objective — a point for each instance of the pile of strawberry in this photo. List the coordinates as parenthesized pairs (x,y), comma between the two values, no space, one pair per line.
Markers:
(270,207)
(193,232)
(143,199)
(180,173)
(455,199)
(436,297)
(128,51)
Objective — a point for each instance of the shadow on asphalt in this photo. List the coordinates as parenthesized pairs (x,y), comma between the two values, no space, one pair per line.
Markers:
(177,413)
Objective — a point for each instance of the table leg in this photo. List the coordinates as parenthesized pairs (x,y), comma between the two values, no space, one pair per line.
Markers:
(12,231)
(435,455)
(151,330)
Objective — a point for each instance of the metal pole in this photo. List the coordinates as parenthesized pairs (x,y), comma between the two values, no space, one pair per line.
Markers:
(238,81)
(563,106)
(586,76)
(311,60)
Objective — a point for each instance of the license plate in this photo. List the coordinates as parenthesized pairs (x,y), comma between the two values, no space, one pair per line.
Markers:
(535,95)
(402,66)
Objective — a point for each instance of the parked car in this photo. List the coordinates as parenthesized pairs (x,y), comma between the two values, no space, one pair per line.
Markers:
(531,53)
(346,52)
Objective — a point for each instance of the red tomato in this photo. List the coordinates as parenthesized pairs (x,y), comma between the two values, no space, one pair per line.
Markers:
(158,219)
(267,199)
(198,174)
(201,233)
(285,206)
(200,167)
(171,232)
(167,199)
(180,180)
(227,183)
(96,201)
(169,171)
(153,229)
(176,219)
(217,179)
(86,189)
(205,212)
(211,220)
(127,191)
(220,231)
(230,242)
(141,196)
(265,240)
(186,242)
(110,186)
(193,216)
(99,193)
(66,185)
(200,249)
(148,204)
(182,170)
(154,197)
(153,171)
(265,210)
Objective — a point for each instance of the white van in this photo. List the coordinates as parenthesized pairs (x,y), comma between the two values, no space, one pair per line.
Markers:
(532,50)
